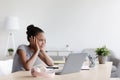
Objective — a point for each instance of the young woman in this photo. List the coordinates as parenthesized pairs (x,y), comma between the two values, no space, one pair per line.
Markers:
(33,54)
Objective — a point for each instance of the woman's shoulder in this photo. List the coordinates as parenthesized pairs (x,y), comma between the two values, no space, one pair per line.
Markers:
(22,46)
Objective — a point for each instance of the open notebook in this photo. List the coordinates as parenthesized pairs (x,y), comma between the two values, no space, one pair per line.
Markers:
(73,63)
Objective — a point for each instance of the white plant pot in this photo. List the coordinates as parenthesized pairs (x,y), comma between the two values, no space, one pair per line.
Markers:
(102,59)
(10,53)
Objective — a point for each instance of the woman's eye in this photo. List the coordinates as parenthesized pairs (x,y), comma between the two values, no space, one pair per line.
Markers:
(42,40)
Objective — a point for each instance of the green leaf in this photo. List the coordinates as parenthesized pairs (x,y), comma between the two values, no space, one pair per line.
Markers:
(102,51)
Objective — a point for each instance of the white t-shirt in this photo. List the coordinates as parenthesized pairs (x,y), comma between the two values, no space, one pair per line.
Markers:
(17,64)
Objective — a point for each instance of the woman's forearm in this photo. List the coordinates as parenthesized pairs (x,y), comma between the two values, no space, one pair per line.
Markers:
(47,59)
(31,61)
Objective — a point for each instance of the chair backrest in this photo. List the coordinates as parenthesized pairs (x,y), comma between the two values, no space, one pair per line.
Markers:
(112,57)
(57,58)
(5,67)
(89,51)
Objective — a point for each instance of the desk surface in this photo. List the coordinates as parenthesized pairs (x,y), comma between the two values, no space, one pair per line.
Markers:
(59,62)
(115,79)
(100,72)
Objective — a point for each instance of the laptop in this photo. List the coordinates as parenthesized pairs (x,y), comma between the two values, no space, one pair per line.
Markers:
(73,63)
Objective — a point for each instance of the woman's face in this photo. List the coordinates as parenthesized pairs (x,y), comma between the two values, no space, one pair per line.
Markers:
(41,39)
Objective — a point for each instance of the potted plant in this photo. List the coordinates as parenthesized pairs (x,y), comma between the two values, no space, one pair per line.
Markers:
(102,53)
(10,50)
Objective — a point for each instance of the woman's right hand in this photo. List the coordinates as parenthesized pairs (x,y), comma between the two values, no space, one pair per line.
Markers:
(34,44)
(35,72)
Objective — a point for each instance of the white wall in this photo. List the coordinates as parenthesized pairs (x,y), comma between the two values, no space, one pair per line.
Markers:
(79,23)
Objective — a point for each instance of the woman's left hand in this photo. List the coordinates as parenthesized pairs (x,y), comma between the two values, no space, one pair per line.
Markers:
(42,47)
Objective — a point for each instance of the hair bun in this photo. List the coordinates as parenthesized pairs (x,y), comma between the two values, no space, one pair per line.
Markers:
(33,31)
(30,27)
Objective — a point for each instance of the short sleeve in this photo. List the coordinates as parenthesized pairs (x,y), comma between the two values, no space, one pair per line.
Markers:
(25,49)
(22,47)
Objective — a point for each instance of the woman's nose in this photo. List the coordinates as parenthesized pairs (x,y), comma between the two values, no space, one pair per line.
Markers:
(43,42)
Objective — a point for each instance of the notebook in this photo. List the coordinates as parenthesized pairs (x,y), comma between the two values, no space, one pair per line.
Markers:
(73,63)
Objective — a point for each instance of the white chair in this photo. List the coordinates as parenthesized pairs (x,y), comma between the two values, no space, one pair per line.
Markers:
(5,67)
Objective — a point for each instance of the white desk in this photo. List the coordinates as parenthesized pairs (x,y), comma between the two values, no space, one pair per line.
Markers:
(100,72)
(59,62)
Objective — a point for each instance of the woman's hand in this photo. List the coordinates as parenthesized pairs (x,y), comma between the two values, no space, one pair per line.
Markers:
(34,44)
(42,46)
(34,72)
